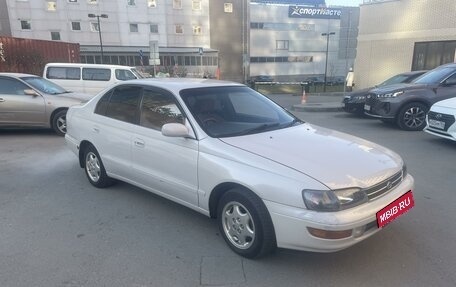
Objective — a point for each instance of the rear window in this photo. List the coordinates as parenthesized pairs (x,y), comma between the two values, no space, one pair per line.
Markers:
(63,73)
(96,74)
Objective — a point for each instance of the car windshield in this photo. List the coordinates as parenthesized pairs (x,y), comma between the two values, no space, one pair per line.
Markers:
(137,74)
(435,76)
(394,80)
(235,111)
(44,85)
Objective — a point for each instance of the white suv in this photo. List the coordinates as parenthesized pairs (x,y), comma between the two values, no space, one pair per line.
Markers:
(441,119)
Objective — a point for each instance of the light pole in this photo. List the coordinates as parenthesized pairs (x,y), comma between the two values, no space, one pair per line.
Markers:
(99,30)
(327,48)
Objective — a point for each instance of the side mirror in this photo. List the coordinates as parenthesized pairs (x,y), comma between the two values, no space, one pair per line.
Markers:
(175,130)
(31,92)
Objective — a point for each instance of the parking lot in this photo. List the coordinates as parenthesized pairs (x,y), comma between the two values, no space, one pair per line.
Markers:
(58,230)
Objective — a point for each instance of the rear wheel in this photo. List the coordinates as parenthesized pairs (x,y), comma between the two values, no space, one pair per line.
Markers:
(59,122)
(94,168)
(412,117)
(245,223)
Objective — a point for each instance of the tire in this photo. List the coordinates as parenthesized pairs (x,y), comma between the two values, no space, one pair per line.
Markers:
(59,123)
(412,117)
(94,168)
(245,224)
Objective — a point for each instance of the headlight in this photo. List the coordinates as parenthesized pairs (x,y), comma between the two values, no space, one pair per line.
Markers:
(390,95)
(333,200)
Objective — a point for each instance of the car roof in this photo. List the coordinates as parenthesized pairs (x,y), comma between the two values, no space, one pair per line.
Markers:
(178,84)
(84,65)
(18,75)
(414,72)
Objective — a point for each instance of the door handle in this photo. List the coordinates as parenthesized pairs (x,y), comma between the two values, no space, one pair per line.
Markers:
(140,143)
(2,100)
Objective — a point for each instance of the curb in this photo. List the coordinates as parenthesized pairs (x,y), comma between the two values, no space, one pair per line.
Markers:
(318,107)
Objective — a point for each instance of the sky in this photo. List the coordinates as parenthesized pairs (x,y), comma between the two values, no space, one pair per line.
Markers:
(344,2)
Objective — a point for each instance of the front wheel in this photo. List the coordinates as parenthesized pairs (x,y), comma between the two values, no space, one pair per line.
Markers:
(59,123)
(412,117)
(94,168)
(245,223)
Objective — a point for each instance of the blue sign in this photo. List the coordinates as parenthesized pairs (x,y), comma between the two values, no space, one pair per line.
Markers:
(200,51)
(313,12)
(141,53)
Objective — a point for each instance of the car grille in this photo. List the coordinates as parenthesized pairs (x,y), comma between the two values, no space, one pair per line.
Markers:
(385,186)
(448,119)
(371,99)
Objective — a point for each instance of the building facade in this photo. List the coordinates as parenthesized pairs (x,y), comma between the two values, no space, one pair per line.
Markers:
(131,30)
(300,41)
(402,35)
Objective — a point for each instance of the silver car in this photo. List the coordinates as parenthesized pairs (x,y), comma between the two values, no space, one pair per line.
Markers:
(31,101)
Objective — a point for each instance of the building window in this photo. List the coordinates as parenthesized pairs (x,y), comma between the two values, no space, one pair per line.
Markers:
(151,3)
(131,2)
(196,4)
(179,29)
(55,36)
(26,25)
(228,7)
(282,44)
(428,55)
(94,27)
(92,1)
(76,26)
(134,28)
(196,30)
(154,28)
(51,6)
(177,4)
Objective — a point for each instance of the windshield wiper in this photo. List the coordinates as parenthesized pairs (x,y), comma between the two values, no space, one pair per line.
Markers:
(293,122)
(259,128)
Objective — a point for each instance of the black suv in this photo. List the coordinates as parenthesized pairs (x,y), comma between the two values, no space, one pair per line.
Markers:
(354,101)
(407,104)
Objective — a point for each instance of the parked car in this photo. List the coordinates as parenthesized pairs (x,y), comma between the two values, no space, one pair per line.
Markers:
(354,101)
(407,104)
(31,101)
(262,78)
(230,153)
(440,119)
(88,78)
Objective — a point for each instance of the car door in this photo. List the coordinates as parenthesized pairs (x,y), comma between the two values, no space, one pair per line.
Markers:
(446,90)
(17,108)
(168,165)
(116,113)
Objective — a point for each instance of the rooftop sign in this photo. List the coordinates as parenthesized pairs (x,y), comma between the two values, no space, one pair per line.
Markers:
(312,12)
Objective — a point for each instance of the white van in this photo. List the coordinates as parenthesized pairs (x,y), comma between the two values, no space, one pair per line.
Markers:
(88,78)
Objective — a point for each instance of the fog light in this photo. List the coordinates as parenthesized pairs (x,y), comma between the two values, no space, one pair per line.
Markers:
(359,231)
(328,234)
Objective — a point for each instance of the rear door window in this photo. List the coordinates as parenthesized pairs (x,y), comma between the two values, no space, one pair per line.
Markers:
(96,74)
(124,104)
(63,73)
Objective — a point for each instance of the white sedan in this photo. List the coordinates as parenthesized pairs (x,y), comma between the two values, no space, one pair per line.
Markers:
(441,119)
(230,153)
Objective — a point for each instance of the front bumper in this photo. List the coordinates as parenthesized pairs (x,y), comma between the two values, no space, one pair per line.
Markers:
(383,109)
(290,223)
(448,132)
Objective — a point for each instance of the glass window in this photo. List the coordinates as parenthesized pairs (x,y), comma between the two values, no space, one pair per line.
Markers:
(44,85)
(76,26)
(158,109)
(133,28)
(196,4)
(51,6)
(26,25)
(154,28)
(177,4)
(151,3)
(435,76)
(196,30)
(282,44)
(63,73)
(179,29)
(228,7)
(95,74)
(131,2)
(102,104)
(11,87)
(94,27)
(55,36)
(123,104)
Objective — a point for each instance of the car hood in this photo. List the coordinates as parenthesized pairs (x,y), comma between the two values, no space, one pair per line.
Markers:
(335,159)
(359,92)
(77,96)
(448,103)
(399,87)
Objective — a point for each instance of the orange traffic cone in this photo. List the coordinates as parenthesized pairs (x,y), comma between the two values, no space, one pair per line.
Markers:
(304,97)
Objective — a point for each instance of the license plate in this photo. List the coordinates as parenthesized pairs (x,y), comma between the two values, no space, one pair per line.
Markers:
(436,124)
(395,209)
(367,107)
